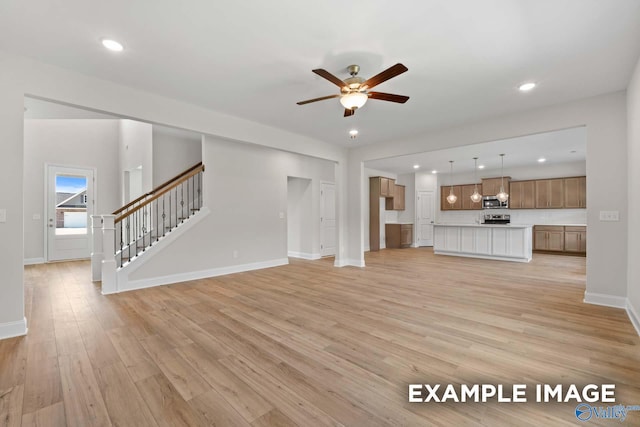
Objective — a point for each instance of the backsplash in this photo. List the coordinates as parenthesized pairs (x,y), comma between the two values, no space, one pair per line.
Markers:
(518,216)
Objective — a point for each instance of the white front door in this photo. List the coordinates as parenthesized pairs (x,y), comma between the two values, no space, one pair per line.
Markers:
(426,214)
(327,219)
(70,204)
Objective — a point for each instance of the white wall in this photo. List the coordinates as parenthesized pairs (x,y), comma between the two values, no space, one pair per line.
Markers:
(300,218)
(75,143)
(135,151)
(173,154)
(12,320)
(605,119)
(633,255)
(409,212)
(245,187)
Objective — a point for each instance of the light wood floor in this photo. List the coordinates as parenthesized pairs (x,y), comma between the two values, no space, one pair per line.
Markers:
(309,345)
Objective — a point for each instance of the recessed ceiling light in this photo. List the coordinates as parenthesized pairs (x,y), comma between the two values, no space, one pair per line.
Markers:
(526,87)
(353,133)
(480,166)
(542,160)
(434,171)
(416,166)
(112,45)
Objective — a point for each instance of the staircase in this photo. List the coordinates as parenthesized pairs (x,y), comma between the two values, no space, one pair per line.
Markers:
(121,238)
(147,219)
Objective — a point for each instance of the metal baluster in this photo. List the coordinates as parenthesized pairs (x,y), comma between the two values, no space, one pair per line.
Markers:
(121,242)
(200,189)
(169,210)
(182,200)
(164,215)
(157,222)
(129,235)
(176,206)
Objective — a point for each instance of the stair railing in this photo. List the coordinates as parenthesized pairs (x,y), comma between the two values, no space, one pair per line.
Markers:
(145,221)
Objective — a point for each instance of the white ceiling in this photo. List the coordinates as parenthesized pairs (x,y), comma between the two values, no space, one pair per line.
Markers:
(557,147)
(254,58)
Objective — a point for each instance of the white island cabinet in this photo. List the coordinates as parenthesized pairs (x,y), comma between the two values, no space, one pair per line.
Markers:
(490,241)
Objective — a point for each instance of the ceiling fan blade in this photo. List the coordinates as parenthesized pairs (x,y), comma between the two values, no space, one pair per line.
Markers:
(348,112)
(401,99)
(327,75)
(387,74)
(317,99)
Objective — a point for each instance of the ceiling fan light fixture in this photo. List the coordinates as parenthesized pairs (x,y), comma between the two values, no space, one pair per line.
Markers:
(353,100)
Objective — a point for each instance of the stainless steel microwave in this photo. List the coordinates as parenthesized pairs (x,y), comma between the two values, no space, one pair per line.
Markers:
(492,202)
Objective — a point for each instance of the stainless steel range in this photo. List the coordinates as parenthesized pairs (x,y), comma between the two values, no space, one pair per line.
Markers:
(497,219)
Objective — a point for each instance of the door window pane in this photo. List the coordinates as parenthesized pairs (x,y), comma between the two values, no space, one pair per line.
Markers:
(71,205)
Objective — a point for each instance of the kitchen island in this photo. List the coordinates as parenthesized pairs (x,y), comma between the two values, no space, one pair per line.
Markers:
(506,242)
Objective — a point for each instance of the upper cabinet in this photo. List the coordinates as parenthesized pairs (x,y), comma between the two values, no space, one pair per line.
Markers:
(444,192)
(575,192)
(491,186)
(467,191)
(396,201)
(550,193)
(386,186)
(522,194)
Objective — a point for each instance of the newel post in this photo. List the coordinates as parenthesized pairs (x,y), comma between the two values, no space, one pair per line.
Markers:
(109,279)
(96,248)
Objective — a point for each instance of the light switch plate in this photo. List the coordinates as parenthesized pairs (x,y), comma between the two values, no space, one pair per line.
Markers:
(3,215)
(36,217)
(609,216)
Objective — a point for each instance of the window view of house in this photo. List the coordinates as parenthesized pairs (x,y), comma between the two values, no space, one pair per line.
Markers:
(71,205)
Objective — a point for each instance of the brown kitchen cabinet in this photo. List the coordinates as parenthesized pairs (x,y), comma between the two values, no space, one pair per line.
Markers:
(444,192)
(467,191)
(522,195)
(396,202)
(575,239)
(386,186)
(398,235)
(491,186)
(550,193)
(548,238)
(575,192)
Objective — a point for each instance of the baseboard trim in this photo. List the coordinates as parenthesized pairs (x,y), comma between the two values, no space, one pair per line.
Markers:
(33,261)
(13,329)
(304,255)
(202,274)
(349,262)
(606,300)
(634,316)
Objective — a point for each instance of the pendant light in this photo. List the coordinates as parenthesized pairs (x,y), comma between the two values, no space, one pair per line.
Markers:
(451,198)
(476,196)
(502,195)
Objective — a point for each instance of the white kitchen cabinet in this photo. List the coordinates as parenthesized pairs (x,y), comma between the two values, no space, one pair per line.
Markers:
(502,242)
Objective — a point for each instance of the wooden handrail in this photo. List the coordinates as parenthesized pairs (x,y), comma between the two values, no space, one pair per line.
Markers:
(158,188)
(174,183)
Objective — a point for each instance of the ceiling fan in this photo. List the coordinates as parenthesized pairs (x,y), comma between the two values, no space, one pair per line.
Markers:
(354,91)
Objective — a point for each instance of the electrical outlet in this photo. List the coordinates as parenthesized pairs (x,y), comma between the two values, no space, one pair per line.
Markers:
(36,217)
(235,254)
(281,215)
(609,216)
(3,215)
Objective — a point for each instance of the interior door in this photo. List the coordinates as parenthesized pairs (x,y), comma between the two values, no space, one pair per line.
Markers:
(327,219)
(426,215)
(70,204)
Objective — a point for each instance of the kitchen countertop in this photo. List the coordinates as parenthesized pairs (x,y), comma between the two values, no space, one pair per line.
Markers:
(487,225)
